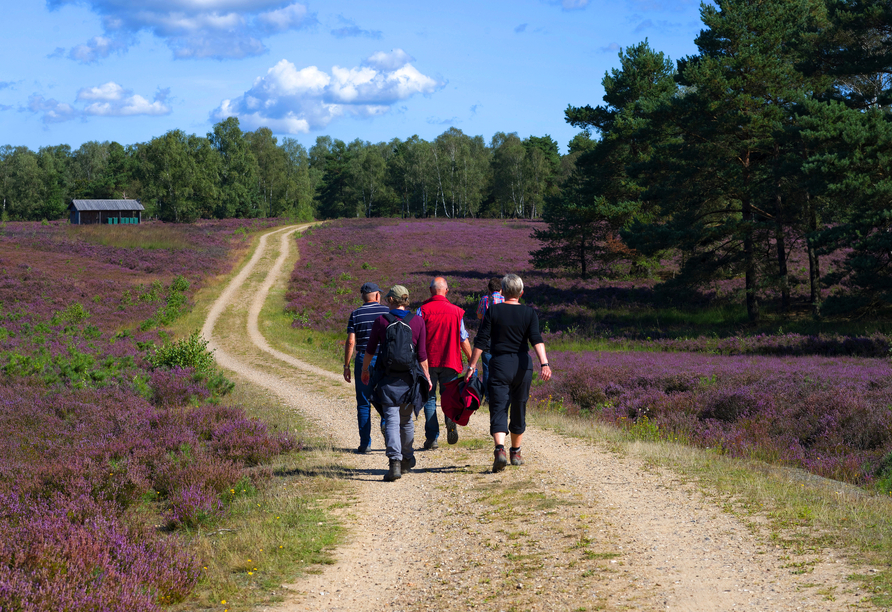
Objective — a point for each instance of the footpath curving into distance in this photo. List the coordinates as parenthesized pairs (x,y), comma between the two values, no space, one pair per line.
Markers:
(576,528)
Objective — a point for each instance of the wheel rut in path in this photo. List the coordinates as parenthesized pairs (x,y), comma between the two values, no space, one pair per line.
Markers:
(576,528)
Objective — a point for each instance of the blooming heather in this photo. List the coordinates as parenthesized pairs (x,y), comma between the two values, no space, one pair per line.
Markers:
(827,415)
(89,430)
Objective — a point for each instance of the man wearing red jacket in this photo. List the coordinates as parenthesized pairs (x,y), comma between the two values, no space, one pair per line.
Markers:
(447,339)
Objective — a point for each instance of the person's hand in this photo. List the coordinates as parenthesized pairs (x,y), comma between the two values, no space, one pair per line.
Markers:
(430,385)
(470,372)
(365,377)
(347,373)
(545,373)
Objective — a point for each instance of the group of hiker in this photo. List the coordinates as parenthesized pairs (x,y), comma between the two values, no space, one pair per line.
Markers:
(402,357)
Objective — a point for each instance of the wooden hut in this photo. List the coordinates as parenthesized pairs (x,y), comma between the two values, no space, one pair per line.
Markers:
(110,212)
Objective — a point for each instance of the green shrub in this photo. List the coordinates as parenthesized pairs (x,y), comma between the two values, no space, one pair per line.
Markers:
(191,352)
(72,315)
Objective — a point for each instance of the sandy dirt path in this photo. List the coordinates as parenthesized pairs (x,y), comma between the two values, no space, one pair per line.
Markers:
(577,528)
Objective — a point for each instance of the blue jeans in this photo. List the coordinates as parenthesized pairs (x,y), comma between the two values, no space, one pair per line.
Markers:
(363,403)
(438,375)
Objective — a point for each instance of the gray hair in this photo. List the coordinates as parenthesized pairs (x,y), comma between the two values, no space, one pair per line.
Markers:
(512,286)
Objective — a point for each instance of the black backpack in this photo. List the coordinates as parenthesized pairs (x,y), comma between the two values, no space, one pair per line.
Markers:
(399,353)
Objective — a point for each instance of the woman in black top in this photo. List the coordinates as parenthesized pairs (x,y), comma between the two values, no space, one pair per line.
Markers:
(506,333)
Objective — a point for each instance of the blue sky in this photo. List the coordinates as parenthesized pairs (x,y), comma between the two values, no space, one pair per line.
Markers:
(125,70)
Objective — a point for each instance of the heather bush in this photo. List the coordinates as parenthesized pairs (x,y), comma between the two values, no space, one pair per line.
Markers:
(74,553)
(98,429)
(828,415)
(178,386)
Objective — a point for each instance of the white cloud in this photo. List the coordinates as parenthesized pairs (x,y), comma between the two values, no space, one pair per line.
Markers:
(291,101)
(394,60)
(283,19)
(612,47)
(53,110)
(107,100)
(219,29)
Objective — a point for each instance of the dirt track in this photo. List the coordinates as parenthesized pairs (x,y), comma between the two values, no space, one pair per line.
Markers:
(577,528)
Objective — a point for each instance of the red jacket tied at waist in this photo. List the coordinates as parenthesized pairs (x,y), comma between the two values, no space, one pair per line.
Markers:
(443,322)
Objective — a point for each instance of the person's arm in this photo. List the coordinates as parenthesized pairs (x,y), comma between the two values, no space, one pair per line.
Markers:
(481,307)
(466,349)
(427,374)
(482,339)
(463,339)
(545,374)
(538,345)
(349,346)
(371,347)
(366,360)
(472,363)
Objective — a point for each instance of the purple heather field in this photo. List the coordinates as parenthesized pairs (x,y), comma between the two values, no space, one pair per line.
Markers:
(94,439)
(819,402)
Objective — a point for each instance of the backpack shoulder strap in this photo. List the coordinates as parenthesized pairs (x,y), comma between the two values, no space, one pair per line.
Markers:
(389,318)
(408,317)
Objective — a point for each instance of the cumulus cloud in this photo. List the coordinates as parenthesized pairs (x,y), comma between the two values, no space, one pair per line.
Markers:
(349,29)
(106,100)
(53,110)
(289,100)
(218,29)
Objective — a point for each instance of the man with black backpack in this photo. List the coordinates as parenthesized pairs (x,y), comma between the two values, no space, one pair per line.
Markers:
(400,385)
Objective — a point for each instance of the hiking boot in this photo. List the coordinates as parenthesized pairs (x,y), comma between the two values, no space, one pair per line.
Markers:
(395,473)
(501,460)
(431,444)
(451,431)
(407,464)
(362,450)
(516,458)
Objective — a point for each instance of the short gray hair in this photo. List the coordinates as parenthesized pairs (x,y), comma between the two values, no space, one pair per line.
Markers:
(512,286)
(439,283)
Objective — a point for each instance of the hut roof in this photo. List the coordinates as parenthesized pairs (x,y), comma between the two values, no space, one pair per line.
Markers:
(82,205)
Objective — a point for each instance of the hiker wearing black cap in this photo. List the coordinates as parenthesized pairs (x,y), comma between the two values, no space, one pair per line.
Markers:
(359,326)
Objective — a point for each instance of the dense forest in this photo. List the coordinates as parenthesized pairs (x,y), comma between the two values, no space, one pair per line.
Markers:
(774,139)
(231,173)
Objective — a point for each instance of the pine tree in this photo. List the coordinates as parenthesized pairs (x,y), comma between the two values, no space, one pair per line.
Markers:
(715,182)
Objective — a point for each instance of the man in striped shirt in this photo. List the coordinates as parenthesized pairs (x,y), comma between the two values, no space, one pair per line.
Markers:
(359,327)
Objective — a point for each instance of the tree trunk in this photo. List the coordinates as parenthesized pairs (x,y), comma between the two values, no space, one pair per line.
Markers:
(814,268)
(783,275)
(749,256)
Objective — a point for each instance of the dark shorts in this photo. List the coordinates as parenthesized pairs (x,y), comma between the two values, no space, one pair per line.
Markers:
(508,388)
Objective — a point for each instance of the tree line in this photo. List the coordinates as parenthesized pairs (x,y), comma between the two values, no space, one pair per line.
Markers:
(776,136)
(182,177)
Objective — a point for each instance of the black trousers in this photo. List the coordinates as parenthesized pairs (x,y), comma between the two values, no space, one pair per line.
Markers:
(508,389)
